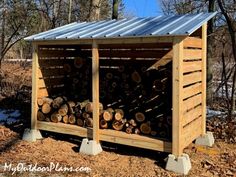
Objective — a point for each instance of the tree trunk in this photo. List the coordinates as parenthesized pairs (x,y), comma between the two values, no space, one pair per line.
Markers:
(115,7)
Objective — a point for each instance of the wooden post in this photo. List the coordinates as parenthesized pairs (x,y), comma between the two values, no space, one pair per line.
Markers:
(95,91)
(177,98)
(204,73)
(34,105)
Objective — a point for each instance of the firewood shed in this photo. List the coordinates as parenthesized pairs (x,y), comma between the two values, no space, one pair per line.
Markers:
(77,59)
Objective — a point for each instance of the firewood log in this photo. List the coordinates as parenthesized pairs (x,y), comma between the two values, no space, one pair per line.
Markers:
(72,119)
(71,104)
(46,108)
(43,100)
(40,101)
(78,62)
(108,114)
(145,128)
(65,119)
(89,107)
(140,117)
(89,122)
(80,122)
(85,115)
(118,125)
(132,122)
(55,117)
(40,116)
(135,76)
(103,124)
(129,129)
(83,104)
(137,131)
(119,114)
(63,110)
(57,102)
(109,75)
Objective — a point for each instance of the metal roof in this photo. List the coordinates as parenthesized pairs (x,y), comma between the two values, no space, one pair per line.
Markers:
(176,25)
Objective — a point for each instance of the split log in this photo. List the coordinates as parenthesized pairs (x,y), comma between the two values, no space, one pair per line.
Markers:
(103,124)
(80,122)
(89,122)
(40,116)
(47,119)
(46,108)
(63,110)
(57,102)
(145,128)
(55,117)
(119,114)
(83,104)
(71,104)
(72,119)
(118,125)
(108,114)
(65,119)
(140,117)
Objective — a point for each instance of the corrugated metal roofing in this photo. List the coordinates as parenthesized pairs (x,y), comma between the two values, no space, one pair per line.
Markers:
(177,25)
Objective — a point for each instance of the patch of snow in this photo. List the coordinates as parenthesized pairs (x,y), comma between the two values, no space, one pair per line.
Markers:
(9,116)
(213,113)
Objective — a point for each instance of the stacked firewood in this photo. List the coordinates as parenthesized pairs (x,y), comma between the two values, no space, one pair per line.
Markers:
(134,99)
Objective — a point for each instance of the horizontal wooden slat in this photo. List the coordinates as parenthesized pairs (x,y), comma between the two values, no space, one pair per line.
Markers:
(191,131)
(52,62)
(193,42)
(192,102)
(107,53)
(64,128)
(192,54)
(192,90)
(52,72)
(192,78)
(191,66)
(50,82)
(117,62)
(134,140)
(192,114)
(42,93)
(112,46)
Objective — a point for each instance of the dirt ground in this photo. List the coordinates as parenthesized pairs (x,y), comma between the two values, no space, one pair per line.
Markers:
(115,160)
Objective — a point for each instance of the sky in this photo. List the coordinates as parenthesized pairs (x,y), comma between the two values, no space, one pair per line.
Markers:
(142,8)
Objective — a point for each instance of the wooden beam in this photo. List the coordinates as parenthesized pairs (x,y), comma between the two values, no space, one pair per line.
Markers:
(95,90)
(177,98)
(193,42)
(35,78)
(204,78)
(134,140)
(167,58)
(64,128)
(118,40)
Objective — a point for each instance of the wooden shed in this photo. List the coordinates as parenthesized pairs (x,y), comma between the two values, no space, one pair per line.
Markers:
(150,42)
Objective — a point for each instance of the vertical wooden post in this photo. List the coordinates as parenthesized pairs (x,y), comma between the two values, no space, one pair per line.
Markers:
(34,105)
(95,90)
(204,73)
(177,96)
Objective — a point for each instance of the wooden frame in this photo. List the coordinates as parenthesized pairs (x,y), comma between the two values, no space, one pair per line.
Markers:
(188,55)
